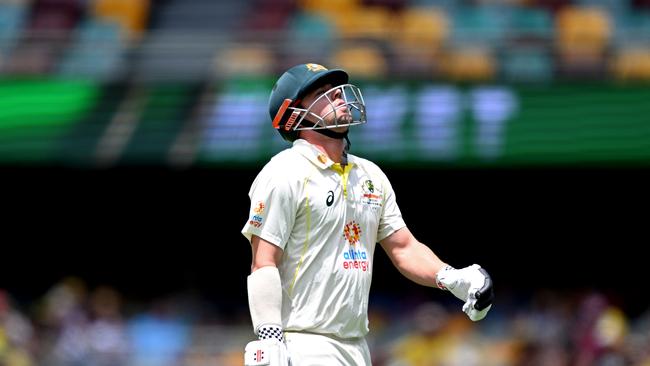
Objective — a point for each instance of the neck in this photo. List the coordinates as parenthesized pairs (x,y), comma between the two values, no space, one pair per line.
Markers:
(331,147)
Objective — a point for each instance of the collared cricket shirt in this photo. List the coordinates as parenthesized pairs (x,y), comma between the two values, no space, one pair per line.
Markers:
(327,218)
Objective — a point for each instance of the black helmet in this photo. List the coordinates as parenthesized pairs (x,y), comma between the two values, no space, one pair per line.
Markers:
(294,84)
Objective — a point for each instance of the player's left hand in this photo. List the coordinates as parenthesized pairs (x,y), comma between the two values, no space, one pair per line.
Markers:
(471,284)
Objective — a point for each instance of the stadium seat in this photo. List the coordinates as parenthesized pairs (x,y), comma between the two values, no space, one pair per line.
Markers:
(583,36)
(245,59)
(613,7)
(447,5)
(632,64)
(95,53)
(199,15)
(328,6)
(304,30)
(12,19)
(309,26)
(583,31)
(420,35)
(361,60)
(55,15)
(422,27)
(364,23)
(469,64)
(527,64)
(268,16)
(168,55)
(479,25)
(531,24)
(632,28)
(131,15)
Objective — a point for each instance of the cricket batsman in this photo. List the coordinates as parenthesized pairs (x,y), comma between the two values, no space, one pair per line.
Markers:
(316,215)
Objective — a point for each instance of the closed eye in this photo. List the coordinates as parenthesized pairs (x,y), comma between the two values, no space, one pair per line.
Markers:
(321,91)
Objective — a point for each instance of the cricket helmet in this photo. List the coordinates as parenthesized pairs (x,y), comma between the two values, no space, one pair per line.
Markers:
(289,116)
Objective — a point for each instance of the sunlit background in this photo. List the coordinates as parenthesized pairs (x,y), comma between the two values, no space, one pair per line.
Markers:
(516,134)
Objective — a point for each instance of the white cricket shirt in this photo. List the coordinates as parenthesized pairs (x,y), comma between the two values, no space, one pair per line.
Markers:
(327,219)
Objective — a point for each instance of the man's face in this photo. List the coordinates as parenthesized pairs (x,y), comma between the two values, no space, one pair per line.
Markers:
(328,104)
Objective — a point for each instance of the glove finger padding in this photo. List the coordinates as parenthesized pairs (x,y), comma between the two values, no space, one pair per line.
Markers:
(269,352)
(485,295)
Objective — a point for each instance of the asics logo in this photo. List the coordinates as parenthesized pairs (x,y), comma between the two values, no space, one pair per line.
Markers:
(330,198)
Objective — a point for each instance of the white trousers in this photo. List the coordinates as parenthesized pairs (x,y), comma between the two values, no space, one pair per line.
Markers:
(309,349)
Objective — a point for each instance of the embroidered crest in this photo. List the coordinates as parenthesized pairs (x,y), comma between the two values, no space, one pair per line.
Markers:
(316,67)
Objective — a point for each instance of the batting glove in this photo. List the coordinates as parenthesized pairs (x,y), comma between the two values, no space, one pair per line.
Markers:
(270,351)
(471,284)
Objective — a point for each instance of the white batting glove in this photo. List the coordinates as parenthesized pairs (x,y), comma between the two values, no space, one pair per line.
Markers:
(271,352)
(471,284)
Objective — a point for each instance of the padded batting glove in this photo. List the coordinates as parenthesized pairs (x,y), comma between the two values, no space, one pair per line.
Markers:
(270,351)
(471,284)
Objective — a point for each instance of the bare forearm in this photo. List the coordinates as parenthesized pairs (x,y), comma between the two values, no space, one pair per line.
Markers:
(418,263)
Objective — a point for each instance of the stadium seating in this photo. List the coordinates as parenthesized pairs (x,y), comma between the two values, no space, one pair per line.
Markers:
(583,36)
(102,83)
(363,61)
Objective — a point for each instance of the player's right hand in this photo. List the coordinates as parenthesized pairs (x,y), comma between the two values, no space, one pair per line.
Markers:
(471,284)
(271,352)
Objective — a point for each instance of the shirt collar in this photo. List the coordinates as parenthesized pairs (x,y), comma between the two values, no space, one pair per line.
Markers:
(312,154)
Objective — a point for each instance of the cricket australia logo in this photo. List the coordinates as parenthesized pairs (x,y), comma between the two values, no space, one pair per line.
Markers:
(352,232)
(368,187)
(372,195)
(315,67)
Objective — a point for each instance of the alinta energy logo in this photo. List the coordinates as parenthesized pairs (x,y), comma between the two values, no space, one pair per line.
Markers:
(256,220)
(355,257)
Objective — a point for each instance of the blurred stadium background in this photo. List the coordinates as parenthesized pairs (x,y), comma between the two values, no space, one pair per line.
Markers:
(516,134)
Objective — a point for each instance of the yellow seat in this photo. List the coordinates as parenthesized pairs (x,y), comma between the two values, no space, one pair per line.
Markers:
(362,61)
(245,59)
(369,22)
(632,64)
(426,27)
(582,32)
(328,6)
(131,15)
(420,34)
(469,64)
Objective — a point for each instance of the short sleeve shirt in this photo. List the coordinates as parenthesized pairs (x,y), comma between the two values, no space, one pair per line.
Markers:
(327,218)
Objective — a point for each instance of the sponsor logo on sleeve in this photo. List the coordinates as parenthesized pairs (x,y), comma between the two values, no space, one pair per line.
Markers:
(259,208)
(257,218)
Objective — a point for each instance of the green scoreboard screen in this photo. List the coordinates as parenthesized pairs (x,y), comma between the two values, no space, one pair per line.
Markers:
(426,123)
(422,123)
